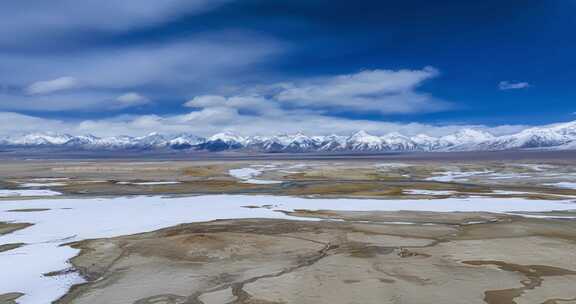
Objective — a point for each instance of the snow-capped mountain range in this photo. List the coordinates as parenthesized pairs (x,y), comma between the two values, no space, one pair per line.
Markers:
(556,137)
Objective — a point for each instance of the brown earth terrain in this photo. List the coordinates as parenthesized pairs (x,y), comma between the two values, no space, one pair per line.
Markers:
(6,228)
(324,256)
(350,178)
(359,258)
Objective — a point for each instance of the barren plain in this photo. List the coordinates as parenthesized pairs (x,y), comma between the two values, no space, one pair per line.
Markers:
(288,231)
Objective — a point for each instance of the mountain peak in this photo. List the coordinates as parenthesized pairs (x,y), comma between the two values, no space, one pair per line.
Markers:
(226,136)
(360,133)
(467,136)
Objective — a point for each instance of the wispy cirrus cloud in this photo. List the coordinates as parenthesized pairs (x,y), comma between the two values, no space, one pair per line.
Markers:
(513,85)
(50,86)
(35,21)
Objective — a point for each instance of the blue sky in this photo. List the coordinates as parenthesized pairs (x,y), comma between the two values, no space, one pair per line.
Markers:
(258,66)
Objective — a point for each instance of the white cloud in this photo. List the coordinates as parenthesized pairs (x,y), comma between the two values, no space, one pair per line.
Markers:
(510,85)
(75,101)
(252,103)
(15,123)
(175,63)
(208,117)
(217,119)
(307,104)
(300,105)
(50,86)
(64,101)
(171,69)
(131,99)
(374,91)
(379,91)
(206,101)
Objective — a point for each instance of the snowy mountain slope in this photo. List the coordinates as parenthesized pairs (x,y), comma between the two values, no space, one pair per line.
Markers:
(331,142)
(40,139)
(362,141)
(399,142)
(538,137)
(463,140)
(425,142)
(554,137)
(222,141)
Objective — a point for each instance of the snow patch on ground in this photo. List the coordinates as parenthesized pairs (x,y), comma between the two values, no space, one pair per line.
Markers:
(427,192)
(247,175)
(565,185)
(505,192)
(536,167)
(148,183)
(450,176)
(388,166)
(16,193)
(41,185)
(91,181)
(49,179)
(507,175)
(78,219)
